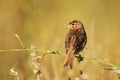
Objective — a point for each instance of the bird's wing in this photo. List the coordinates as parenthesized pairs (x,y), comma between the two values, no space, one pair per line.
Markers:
(75,42)
(82,40)
(78,41)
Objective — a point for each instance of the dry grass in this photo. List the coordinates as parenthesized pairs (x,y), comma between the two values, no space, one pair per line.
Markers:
(41,22)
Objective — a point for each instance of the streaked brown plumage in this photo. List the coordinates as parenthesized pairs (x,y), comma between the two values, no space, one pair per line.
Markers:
(75,41)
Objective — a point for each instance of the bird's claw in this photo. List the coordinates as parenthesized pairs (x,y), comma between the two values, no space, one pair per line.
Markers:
(79,58)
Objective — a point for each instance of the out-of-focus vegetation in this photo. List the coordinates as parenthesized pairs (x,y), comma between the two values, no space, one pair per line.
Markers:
(42,22)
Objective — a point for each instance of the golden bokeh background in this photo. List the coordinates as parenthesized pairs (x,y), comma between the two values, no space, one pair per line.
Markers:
(42,22)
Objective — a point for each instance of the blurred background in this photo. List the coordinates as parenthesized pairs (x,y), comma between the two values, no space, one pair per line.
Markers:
(42,22)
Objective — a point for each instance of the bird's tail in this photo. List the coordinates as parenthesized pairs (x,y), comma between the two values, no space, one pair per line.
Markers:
(69,59)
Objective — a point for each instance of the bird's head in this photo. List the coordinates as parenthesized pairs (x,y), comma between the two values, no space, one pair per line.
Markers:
(75,24)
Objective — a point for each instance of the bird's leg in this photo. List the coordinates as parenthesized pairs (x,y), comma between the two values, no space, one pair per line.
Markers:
(79,57)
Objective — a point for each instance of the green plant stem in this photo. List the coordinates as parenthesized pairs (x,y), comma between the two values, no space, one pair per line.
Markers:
(104,62)
(28,49)
(54,52)
(19,39)
(15,50)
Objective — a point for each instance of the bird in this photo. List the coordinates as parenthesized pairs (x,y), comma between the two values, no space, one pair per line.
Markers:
(75,41)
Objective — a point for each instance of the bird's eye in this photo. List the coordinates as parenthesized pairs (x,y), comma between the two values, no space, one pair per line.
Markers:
(72,24)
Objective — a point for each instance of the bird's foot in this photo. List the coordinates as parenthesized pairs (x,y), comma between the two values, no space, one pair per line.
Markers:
(79,57)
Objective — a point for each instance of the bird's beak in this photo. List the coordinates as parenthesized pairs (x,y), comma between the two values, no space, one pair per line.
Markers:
(66,26)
